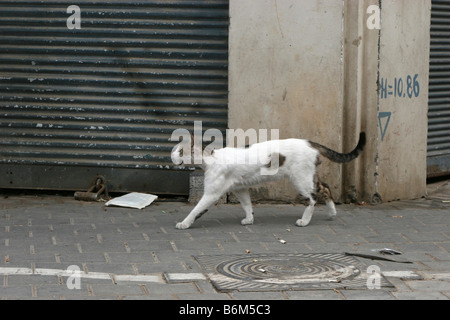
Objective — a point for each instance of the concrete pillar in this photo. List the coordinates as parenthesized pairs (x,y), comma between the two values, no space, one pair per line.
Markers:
(403,103)
(360,107)
(324,71)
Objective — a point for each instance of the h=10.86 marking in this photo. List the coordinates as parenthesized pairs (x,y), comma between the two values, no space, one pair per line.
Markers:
(400,88)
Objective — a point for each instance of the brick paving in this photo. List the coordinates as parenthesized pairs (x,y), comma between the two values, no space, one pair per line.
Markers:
(130,254)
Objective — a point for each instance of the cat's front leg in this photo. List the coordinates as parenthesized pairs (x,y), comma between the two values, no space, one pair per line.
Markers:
(202,206)
(186,223)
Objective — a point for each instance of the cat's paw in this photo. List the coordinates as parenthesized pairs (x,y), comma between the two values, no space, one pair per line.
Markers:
(246,221)
(301,223)
(182,226)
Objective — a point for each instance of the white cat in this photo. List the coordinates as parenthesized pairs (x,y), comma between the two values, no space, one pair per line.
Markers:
(236,169)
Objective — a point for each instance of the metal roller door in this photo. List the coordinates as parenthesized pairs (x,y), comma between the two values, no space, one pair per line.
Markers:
(438,158)
(104,96)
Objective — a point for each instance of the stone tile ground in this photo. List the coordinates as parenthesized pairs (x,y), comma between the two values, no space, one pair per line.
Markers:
(54,232)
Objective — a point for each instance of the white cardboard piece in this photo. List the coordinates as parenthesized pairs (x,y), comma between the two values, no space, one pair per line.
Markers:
(133,200)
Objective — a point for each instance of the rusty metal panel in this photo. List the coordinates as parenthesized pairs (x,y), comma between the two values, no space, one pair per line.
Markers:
(109,94)
(438,156)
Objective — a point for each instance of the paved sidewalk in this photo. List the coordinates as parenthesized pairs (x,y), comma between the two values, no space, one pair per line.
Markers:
(138,254)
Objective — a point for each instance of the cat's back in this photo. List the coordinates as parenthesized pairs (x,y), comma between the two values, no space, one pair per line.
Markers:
(294,150)
(286,145)
(297,149)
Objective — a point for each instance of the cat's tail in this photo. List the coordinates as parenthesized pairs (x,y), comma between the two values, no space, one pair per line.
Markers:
(341,157)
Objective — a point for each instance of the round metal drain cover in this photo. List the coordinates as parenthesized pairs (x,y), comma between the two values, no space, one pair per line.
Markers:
(289,269)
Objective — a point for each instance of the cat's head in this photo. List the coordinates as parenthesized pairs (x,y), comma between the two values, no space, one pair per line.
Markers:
(177,154)
(186,152)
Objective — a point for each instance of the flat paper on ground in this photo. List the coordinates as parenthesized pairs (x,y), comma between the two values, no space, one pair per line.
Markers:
(133,200)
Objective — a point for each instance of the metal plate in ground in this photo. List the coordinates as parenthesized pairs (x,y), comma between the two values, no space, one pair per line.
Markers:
(297,271)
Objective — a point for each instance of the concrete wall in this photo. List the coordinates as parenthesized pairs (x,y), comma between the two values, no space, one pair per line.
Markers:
(285,72)
(404,60)
(311,69)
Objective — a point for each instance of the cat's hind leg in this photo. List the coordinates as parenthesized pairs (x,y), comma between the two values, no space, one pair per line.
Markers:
(331,210)
(307,214)
(305,187)
(244,198)
(324,189)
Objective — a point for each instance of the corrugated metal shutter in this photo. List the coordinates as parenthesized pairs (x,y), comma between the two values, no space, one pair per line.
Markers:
(105,98)
(438,161)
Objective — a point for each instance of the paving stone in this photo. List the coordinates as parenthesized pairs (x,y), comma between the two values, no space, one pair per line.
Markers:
(258,296)
(203,296)
(420,295)
(314,295)
(429,285)
(15,292)
(375,294)
(110,289)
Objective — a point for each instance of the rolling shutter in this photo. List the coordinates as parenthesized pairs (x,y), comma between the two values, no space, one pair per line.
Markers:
(438,157)
(105,98)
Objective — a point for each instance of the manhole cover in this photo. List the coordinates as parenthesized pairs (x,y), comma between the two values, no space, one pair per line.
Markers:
(286,272)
